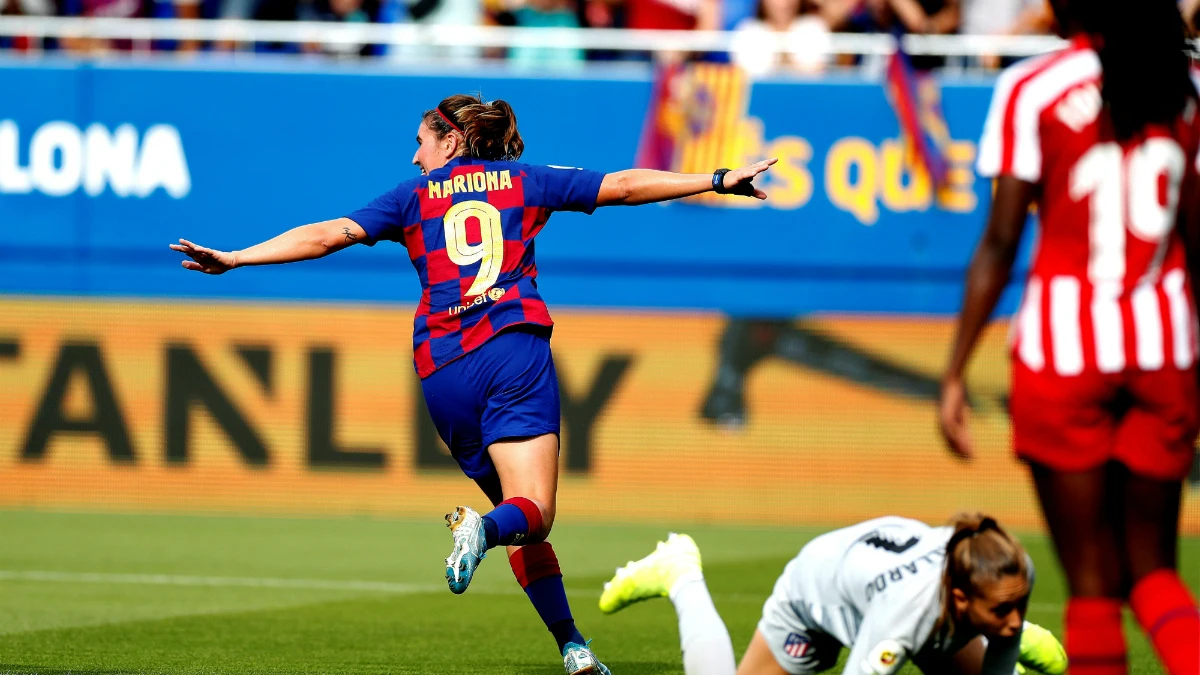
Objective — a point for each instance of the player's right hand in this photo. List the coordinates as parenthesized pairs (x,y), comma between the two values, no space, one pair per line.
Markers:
(952,417)
(207,260)
(738,181)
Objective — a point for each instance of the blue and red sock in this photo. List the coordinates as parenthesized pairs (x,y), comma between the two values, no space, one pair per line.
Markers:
(513,521)
(536,569)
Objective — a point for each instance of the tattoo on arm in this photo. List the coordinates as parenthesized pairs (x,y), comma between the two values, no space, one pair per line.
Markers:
(350,236)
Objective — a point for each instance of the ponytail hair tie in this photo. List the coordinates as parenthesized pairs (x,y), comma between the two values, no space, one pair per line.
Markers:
(985,524)
(958,538)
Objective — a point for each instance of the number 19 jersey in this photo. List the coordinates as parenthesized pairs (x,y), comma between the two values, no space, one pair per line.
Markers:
(1105,342)
(1108,290)
(469,228)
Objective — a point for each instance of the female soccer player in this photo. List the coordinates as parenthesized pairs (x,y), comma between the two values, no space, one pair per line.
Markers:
(1103,135)
(482,333)
(891,589)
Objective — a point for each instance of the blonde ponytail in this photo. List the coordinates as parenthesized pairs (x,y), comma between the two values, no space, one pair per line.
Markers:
(979,552)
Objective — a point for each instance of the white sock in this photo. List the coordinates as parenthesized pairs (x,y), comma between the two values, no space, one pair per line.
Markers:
(703,638)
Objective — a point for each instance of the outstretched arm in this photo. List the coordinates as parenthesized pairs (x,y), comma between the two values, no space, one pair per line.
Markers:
(986,278)
(646,186)
(301,243)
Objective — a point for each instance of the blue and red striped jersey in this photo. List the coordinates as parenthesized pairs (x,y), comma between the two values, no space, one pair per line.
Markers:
(469,229)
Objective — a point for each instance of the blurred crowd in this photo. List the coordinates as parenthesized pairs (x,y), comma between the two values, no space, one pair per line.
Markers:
(804,26)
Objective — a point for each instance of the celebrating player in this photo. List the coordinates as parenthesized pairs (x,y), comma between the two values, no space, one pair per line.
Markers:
(1103,135)
(891,589)
(481,338)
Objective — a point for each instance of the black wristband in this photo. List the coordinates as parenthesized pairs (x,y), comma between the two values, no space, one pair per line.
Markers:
(718,181)
(744,189)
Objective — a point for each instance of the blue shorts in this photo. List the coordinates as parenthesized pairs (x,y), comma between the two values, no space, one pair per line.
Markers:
(506,388)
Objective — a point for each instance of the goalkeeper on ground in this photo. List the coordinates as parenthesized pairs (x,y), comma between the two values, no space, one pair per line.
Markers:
(950,599)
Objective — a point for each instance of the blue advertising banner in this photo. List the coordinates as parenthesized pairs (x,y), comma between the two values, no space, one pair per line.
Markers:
(103,165)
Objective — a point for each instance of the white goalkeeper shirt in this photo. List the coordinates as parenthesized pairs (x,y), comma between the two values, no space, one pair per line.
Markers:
(876,587)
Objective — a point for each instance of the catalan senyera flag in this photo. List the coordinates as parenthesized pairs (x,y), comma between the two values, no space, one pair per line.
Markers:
(917,100)
(695,121)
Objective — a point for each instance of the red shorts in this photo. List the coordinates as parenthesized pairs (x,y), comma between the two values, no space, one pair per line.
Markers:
(1148,421)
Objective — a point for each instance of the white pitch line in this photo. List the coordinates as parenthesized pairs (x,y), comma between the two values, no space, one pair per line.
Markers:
(320,584)
(244,582)
(1045,606)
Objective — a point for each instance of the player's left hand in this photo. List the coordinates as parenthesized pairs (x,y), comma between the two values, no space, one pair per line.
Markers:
(738,181)
(952,417)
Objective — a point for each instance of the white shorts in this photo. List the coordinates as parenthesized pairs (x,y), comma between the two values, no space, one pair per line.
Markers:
(798,648)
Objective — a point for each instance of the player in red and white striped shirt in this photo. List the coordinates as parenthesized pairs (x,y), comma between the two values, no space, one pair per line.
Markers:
(1103,136)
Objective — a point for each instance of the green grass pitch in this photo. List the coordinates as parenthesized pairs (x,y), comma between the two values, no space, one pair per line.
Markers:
(104,593)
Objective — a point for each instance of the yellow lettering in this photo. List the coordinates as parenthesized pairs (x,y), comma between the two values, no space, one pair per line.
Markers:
(460,184)
(905,184)
(493,181)
(505,180)
(791,182)
(478,182)
(857,197)
(447,187)
(435,190)
(959,192)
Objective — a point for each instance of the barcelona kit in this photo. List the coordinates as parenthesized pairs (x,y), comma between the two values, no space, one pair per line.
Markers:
(481,330)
